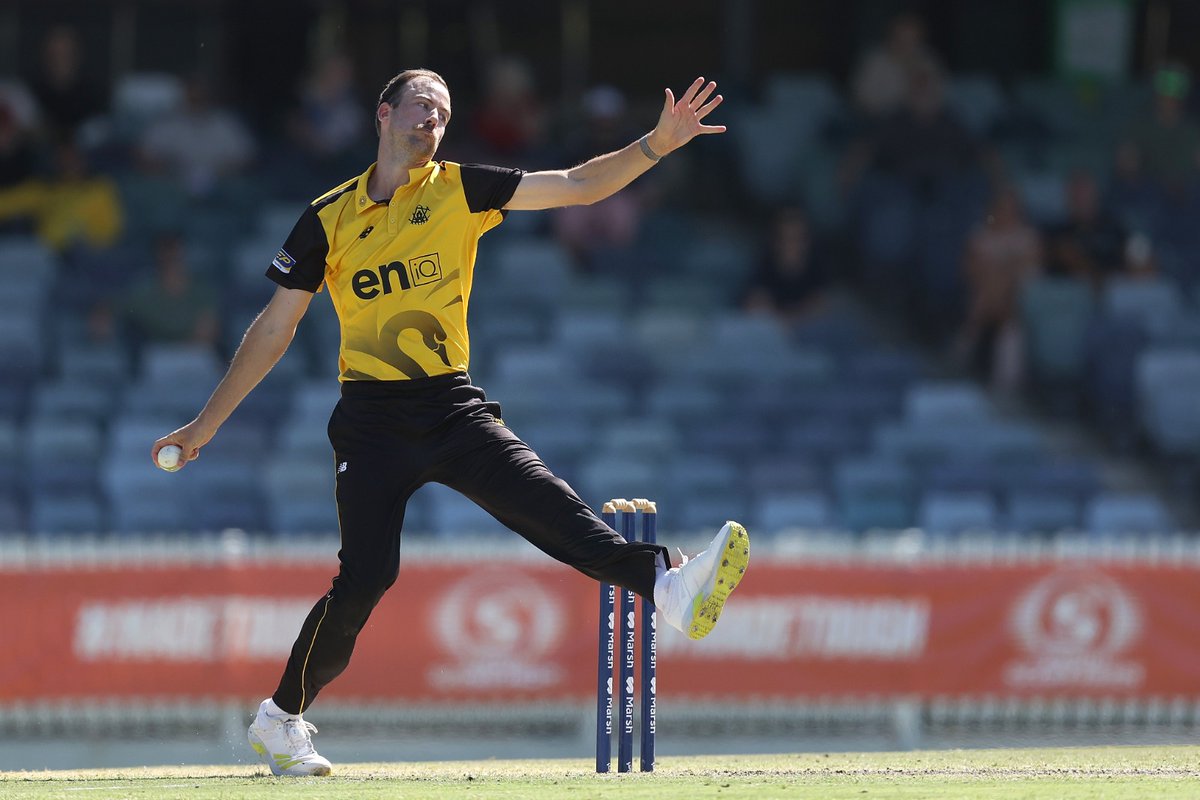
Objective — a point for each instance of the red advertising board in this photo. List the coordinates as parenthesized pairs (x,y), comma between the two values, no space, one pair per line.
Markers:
(515,630)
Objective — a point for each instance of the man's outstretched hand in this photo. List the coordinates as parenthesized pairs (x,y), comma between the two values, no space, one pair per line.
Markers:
(682,121)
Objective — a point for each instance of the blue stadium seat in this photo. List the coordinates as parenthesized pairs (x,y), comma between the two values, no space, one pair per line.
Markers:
(776,512)
(954,512)
(53,513)
(873,493)
(1149,303)
(1056,313)
(63,455)
(1168,383)
(946,402)
(785,473)
(1129,512)
(977,100)
(1044,512)
(451,514)
(610,474)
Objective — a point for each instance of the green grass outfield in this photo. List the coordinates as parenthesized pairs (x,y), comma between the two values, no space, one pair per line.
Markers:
(1136,773)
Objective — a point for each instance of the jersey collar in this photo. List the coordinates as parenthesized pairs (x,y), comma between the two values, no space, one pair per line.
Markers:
(363,201)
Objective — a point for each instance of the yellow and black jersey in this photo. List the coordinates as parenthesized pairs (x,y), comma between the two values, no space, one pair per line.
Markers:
(399,272)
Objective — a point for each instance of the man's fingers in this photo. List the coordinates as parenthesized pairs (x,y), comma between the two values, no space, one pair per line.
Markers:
(670,102)
(709,106)
(691,90)
(699,99)
(712,129)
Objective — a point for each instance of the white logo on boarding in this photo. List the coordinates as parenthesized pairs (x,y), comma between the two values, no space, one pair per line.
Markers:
(1074,626)
(499,629)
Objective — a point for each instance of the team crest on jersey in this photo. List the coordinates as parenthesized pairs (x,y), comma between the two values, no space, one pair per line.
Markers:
(419,216)
(283,262)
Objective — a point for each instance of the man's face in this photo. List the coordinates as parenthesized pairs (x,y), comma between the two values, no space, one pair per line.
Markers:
(417,121)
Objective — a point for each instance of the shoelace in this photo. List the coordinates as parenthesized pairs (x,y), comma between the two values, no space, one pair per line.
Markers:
(299,735)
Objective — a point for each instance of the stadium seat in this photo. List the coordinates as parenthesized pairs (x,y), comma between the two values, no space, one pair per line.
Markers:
(779,511)
(1056,313)
(1042,512)
(873,493)
(140,97)
(946,402)
(977,100)
(54,513)
(1149,303)
(451,514)
(1131,512)
(63,455)
(1168,383)
(611,474)
(954,512)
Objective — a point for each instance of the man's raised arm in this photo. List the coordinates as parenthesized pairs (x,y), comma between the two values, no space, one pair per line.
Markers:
(605,175)
(264,344)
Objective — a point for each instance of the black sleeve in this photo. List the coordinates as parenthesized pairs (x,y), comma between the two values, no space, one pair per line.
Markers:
(487,187)
(300,263)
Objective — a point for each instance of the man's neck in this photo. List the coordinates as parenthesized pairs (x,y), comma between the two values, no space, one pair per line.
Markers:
(391,172)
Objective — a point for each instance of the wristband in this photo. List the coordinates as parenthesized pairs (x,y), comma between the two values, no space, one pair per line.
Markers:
(646,151)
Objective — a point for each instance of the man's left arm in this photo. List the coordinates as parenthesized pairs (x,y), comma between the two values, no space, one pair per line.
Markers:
(594,180)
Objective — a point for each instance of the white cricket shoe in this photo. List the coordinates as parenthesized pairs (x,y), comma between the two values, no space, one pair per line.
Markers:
(692,595)
(284,743)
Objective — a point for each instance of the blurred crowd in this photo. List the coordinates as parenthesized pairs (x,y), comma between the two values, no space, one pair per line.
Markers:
(940,198)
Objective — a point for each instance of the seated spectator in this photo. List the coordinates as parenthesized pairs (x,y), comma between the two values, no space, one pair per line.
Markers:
(923,145)
(612,222)
(1091,244)
(200,144)
(1167,141)
(883,78)
(64,93)
(1002,253)
(511,119)
(331,120)
(792,276)
(71,209)
(18,156)
(172,306)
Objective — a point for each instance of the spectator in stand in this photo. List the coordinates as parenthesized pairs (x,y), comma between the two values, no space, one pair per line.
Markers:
(511,120)
(1167,141)
(1092,243)
(330,121)
(612,222)
(883,78)
(792,276)
(18,157)
(173,305)
(200,144)
(74,208)
(924,144)
(1002,253)
(64,93)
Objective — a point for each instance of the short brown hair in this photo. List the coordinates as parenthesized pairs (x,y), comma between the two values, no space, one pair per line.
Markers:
(392,89)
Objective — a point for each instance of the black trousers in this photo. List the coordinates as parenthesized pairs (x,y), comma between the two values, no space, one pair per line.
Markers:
(389,439)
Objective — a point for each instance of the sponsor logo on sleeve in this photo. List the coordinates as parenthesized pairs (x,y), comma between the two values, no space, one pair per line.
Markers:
(283,262)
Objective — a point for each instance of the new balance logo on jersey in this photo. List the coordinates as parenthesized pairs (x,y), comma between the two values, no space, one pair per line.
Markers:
(342,467)
(420,271)
(366,232)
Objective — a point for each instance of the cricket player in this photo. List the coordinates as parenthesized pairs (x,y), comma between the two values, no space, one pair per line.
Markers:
(395,247)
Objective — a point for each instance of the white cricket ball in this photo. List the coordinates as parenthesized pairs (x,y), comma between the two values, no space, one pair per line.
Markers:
(169,456)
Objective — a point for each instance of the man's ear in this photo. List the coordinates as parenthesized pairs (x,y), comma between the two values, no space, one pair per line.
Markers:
(383,112)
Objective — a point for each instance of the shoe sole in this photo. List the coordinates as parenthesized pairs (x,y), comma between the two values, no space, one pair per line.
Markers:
(735,556)
(261,749)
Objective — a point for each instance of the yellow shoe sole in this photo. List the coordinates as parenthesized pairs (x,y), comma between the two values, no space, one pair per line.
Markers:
(735,556)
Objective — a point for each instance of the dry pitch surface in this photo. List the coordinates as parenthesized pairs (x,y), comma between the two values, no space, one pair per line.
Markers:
(1136,773)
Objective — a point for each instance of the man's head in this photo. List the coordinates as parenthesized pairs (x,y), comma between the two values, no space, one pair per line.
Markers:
(413,110)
